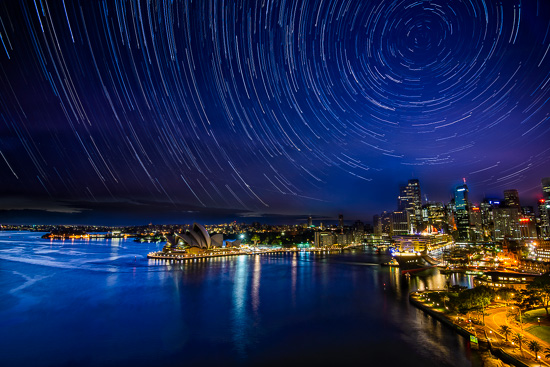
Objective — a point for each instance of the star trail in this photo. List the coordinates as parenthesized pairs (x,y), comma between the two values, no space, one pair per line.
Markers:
(227,109)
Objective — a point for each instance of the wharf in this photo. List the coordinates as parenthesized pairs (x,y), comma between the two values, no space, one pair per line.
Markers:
(184,256)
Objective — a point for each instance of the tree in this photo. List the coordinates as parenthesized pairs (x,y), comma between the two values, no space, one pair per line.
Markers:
(535,347)
(541,287)
(519,339)
(505,330)
(473,299)
(521,300)
(505,294)
(255,239)
(511,314)
(482,297)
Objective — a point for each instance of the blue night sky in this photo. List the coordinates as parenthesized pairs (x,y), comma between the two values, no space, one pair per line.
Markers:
(119,112)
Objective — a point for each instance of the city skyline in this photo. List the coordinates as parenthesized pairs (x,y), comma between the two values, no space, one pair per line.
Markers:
(134,113)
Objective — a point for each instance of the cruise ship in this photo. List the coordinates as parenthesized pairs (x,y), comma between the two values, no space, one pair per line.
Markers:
(410,262)
(414,250)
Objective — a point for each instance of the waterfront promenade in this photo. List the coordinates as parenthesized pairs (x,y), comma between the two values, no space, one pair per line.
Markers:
(160,255)
(490,334)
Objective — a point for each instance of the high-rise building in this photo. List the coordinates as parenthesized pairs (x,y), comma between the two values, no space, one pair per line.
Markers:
(511,199)
(506,223)
(400,223)
(486,208)
(544,208)
(544,219)
(359,226)
(476,224)
(434,214)
(377,225)
(309,222)
(462,207)
(545,182)
(527,227)
(410,200)
(324,239)
(341,221)
(461,197)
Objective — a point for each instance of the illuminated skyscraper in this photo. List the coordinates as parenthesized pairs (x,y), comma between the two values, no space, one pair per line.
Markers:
(544,222)
(462,212)
(341,221)
(461,197)
(544,208)
(506,223)
(434,214)
(410,200)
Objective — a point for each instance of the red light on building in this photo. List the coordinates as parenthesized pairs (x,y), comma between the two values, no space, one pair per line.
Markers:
(524,219)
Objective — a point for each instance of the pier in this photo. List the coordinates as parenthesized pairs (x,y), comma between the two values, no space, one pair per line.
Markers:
(187,256)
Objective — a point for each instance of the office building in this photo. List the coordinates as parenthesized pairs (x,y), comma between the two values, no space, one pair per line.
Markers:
(511,199)
(410,200)
(400,223)
(462,207)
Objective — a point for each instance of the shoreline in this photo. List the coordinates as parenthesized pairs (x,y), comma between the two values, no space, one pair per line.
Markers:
(483,342)
(183,257)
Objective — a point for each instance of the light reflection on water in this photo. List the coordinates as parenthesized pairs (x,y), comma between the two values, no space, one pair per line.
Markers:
(102,303)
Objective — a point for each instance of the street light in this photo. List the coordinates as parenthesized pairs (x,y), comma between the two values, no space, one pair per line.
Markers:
(538,319)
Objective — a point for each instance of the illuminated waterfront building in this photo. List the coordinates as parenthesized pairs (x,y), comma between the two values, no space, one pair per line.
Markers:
(496,280)
(324,239)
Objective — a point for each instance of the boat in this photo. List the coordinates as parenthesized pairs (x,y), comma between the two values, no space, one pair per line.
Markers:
(392,262)
(410,262)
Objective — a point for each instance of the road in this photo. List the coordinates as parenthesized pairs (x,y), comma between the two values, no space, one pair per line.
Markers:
(496,317)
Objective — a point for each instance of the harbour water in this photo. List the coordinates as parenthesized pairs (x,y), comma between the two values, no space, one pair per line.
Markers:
(103,303)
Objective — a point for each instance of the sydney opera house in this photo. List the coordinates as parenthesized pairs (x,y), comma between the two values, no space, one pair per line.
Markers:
(195,240)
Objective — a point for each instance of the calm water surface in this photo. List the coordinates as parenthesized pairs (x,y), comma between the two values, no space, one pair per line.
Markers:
(103,303)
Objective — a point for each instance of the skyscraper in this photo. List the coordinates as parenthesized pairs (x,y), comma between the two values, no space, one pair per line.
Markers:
(506,223)
(400,223)
(511,199)
(544,222)
(341,221)
(410,200)
(544,208)
(462,212)
(461,197)
(546,187)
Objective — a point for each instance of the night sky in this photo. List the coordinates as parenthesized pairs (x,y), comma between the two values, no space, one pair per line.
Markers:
(119,112)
